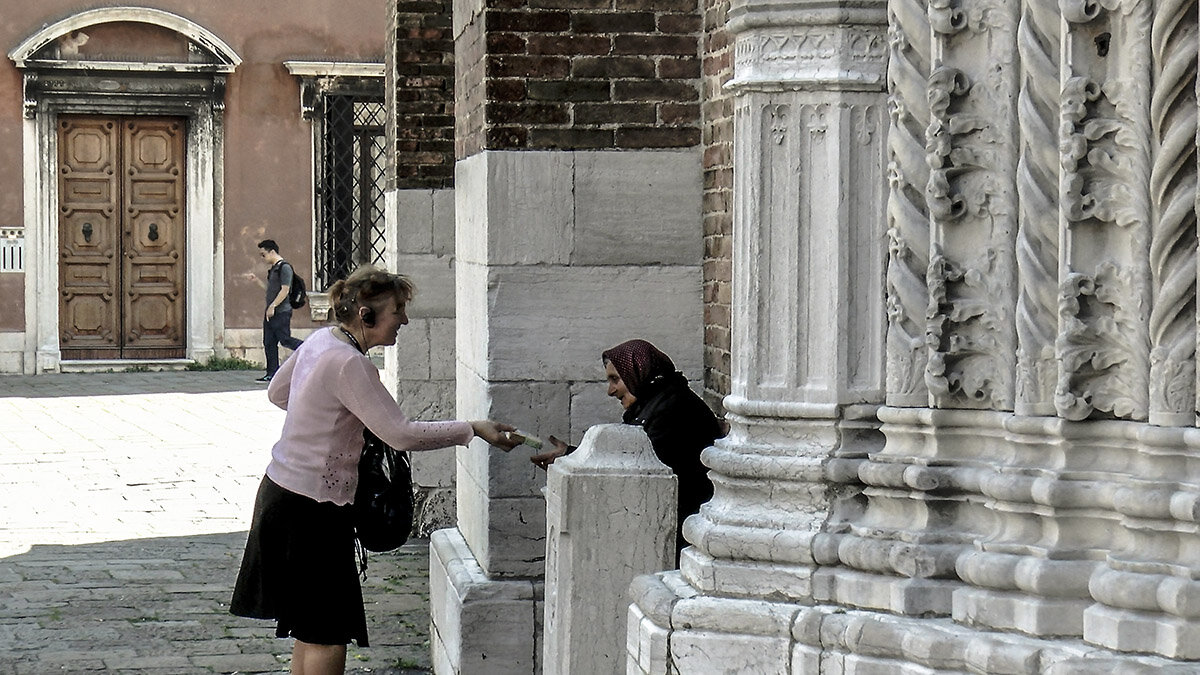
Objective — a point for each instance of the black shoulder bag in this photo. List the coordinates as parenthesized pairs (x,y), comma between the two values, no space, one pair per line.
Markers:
(383,502)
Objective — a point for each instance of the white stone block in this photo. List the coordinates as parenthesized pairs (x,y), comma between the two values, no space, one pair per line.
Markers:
(591,405)
(410,356)
(516,537)
(433,468)
(482,625)
(708,652)
(434,278)
(472,319)
(636,208)
(428,401)
(610,517)
(414,221)
(441,350)
(514,208)
(443,222)
(581,311)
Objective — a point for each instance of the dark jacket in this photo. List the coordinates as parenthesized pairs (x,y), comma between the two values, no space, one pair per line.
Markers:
(680,426)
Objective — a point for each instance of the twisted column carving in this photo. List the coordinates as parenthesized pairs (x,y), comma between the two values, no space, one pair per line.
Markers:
(1039,47)
(1173,226)
(1103,343)
(907,214)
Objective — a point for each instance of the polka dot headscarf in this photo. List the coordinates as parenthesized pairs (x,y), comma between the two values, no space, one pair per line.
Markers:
(638,363)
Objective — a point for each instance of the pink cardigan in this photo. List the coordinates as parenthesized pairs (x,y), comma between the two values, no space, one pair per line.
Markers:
(330,391)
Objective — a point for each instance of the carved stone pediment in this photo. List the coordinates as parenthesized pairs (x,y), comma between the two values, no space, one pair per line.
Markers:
(120,52)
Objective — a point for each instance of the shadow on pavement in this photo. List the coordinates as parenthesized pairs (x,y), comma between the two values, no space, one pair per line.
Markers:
(161,606)
(116,384)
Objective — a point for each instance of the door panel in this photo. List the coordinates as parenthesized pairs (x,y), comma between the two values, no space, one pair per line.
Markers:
(154,243)
(122,236)
(89,238)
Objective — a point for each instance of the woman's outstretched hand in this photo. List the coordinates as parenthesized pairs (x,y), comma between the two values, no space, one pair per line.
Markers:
(496,433)
(544,460)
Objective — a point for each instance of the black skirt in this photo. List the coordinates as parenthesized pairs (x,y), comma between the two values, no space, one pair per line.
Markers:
(299,569)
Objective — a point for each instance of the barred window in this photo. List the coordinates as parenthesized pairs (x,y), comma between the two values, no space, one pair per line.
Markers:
(350,185)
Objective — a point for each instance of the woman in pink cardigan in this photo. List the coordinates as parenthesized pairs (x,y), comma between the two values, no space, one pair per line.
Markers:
(299,565)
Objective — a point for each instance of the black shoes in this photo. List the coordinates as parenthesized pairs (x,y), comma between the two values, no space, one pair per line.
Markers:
(264,378)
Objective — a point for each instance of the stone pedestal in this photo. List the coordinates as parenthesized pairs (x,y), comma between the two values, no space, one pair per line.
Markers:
(610,512)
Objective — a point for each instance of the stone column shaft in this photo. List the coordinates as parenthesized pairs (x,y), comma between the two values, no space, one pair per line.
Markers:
(808,317)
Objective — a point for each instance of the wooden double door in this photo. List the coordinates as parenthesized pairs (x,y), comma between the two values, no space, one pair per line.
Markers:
(121,234)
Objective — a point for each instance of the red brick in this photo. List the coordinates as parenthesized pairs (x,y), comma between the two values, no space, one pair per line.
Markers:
(527,113)
(676,114)
(526,22)
(654,90)
(679,23)
(657,137)
(568,90)
(659,5)
(612,66)
(506,90)
(505,43)
(528,66)
(687,67)
(591,45)
(574,5)
(656,44)
(503,138)
(615,113)
(716,155)
(612,22)
(571,139)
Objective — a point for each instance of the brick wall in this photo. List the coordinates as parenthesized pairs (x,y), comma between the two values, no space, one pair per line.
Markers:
(717,126)
(420,60)
(579,74)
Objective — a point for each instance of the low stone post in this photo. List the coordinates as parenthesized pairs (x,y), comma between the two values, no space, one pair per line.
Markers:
(610,517)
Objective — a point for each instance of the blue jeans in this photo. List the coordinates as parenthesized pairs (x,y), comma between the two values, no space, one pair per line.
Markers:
(278,331)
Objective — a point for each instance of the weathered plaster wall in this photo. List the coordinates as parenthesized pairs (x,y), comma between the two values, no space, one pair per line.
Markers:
(268,185)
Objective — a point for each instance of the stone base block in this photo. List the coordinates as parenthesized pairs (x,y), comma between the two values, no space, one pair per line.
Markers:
(1032,615)
(648,645)
(716,635)
(900,595)
(1130,631)
(722,577)
(710,652)
(480,625)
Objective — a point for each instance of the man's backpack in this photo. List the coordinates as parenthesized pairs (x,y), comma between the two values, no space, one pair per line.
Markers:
(297,294)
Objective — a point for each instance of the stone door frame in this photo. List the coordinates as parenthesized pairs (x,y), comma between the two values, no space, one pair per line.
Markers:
(194,91)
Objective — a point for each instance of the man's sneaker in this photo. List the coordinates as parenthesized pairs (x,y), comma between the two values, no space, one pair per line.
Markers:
(264,378)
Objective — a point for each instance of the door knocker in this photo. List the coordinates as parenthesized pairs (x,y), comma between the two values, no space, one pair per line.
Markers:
(87,232)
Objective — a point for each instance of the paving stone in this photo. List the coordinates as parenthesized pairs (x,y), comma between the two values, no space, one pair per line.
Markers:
(129,568)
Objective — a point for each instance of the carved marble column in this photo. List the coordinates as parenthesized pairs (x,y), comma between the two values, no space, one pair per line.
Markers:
(1104,223)
(808,322)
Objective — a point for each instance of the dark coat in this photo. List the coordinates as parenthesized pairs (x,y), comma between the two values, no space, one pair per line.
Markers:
(680,426)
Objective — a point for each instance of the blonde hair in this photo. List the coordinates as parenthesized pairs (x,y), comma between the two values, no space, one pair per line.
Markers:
(368,286)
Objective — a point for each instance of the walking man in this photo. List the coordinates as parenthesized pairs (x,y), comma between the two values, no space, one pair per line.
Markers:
(277,317)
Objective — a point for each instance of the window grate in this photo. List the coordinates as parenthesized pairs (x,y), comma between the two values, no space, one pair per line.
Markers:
(350,223)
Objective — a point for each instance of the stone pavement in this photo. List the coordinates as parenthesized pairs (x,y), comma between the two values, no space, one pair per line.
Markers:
(124,504)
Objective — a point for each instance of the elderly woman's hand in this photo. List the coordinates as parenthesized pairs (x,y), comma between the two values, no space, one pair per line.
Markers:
(544,460)
(496,433)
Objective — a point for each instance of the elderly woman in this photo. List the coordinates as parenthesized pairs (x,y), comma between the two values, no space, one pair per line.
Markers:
(680,425)
(299,565)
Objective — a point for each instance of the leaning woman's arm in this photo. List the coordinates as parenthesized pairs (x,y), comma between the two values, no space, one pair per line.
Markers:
(359,389)
(281,384)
